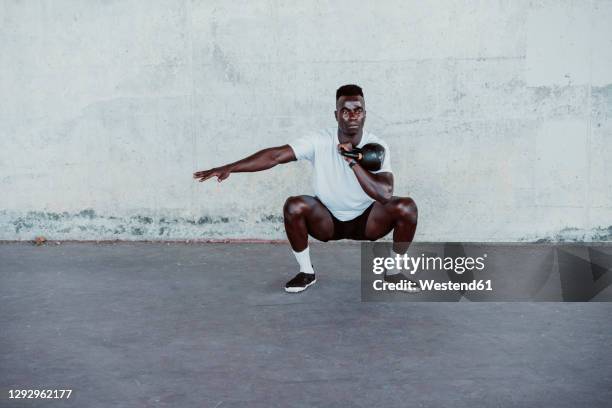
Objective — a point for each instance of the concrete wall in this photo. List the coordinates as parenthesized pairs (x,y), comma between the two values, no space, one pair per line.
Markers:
(498,113)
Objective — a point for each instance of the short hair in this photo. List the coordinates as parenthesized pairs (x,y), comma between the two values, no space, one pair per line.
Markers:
(349,90)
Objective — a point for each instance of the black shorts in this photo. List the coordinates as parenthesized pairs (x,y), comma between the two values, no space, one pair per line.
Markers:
(351,229)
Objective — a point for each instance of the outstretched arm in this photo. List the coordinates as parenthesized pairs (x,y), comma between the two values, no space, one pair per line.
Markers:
(262,160)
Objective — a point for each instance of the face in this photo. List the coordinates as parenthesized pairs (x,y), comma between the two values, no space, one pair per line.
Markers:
(350,114)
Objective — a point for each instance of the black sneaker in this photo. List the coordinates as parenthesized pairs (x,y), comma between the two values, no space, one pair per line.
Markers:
(398,277)
(300,282)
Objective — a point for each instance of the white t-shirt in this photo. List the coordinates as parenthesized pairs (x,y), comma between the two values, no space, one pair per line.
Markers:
(334,182)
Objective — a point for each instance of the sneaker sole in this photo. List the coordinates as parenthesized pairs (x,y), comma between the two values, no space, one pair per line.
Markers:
(410,291)
(296,290)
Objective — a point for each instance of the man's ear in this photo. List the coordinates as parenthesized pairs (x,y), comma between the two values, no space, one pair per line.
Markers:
(336,115)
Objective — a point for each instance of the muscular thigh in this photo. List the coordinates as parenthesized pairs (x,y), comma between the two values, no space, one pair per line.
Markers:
(319,220)
(380,221)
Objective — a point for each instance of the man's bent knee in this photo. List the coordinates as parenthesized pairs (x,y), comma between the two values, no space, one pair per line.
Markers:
(405,209)
(295,206)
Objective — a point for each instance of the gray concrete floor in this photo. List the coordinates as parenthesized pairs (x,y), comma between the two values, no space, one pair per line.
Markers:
(208,325)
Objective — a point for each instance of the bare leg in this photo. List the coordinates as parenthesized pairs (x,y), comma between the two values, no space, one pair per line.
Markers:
(305,215)
(400,215)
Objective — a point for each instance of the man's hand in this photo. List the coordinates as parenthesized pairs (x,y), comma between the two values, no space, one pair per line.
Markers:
(221,173)
(347,147)
(261,160)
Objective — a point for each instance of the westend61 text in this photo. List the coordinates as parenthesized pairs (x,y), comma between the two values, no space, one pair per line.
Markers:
(430,285)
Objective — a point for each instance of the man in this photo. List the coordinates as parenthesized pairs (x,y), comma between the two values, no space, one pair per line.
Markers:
(349,203)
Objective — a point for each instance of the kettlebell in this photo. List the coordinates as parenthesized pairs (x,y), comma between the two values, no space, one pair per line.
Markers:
(370,156)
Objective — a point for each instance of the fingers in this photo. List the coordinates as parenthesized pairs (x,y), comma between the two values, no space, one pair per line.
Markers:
(220,177)
(202,173)
(347,147)
(203,176)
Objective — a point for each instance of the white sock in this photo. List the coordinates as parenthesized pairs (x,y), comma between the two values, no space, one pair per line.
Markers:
(303,259)
(394,270)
